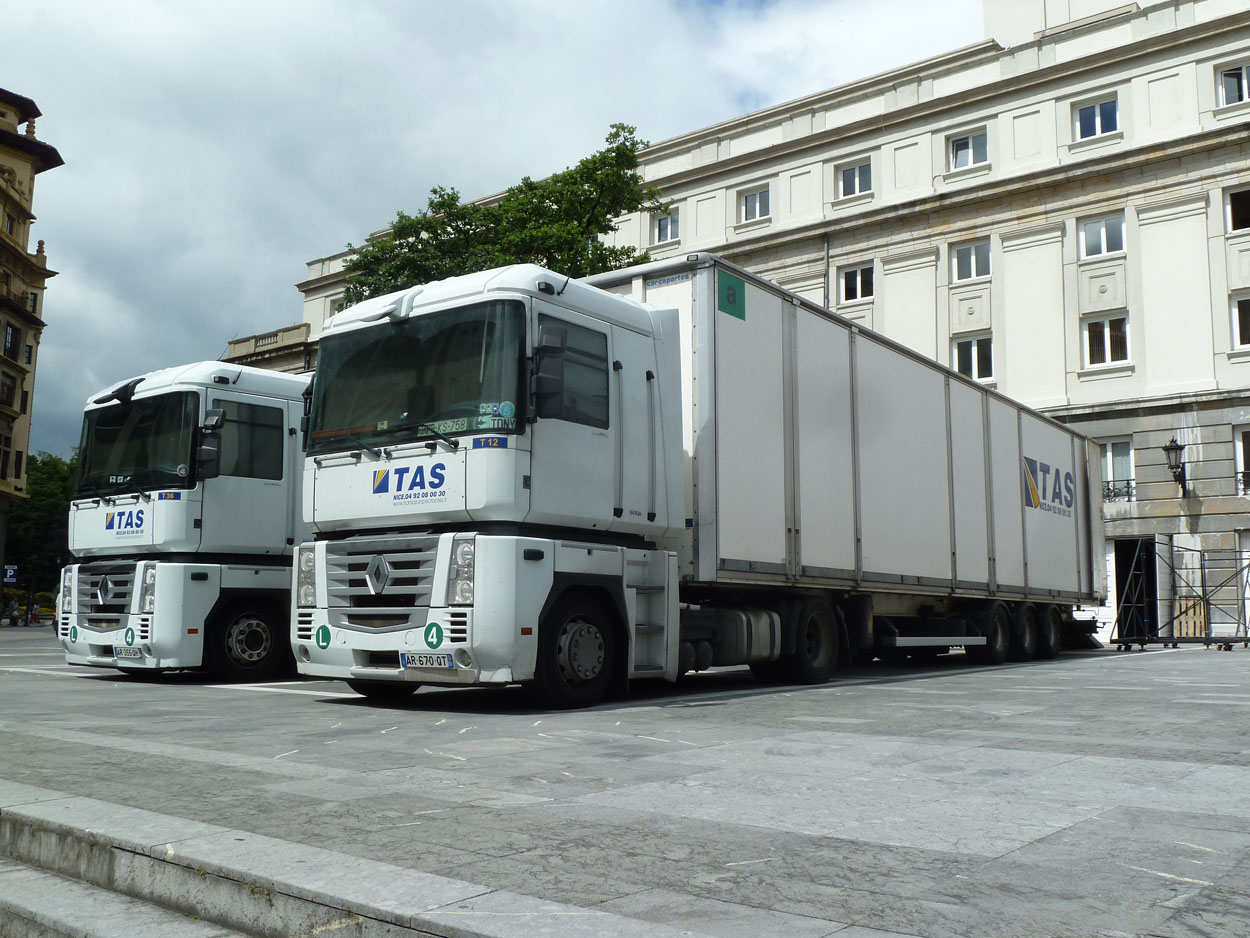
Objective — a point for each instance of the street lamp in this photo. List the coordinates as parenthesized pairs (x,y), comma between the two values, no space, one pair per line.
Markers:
(1174,452)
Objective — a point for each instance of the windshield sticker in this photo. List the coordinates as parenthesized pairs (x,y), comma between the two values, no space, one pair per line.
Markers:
(169,496)
(182,471)
(412,483)
(124,523)
(448,426)
(502,409)
(496,423)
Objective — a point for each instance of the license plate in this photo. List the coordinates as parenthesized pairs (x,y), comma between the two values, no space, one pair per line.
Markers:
(425,661)
(125,651)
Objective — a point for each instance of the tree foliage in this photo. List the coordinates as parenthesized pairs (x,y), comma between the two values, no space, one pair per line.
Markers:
(38,535)
(554,222)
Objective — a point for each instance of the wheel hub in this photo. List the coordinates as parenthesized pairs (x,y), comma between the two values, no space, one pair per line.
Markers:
(581,651)
(248,640)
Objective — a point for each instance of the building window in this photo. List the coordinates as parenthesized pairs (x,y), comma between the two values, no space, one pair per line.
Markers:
(25,402)
(666,227)
(1117,470)
(968,150)
(12,341)
(753,204)
(854,180)
(28,354)
(6,442)
(1094,120)
(974,357)
(1102,236)
(855,284)
(1106,340)
(17,464)
(1239,210)
(1241,322)
(972,260)
(10,224)
(8,390)
(1233,84)
(32,303)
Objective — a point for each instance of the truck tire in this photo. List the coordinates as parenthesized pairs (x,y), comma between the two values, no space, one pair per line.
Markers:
(384,691)
(1024,628)
(1049,632)
(246,642)
(996,627)
(576,653)
(817,642)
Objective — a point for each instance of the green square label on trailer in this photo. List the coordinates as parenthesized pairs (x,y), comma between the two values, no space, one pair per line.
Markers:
(731,295)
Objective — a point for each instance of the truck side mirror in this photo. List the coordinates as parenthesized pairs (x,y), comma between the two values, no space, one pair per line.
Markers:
(208,454)
(549,371)
(214,417)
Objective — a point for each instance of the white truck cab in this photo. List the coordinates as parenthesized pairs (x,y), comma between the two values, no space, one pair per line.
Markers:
(184,521)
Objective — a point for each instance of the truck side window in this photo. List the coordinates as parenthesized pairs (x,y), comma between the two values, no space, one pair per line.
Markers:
(251,440)
(585,374)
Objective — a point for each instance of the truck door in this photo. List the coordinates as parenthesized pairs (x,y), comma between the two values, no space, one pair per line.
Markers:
(572,467)
(246,507)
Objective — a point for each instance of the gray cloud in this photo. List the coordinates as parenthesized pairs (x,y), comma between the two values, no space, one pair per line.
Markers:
(212,149)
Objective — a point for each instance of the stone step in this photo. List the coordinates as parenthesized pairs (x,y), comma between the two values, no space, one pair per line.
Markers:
(38,904)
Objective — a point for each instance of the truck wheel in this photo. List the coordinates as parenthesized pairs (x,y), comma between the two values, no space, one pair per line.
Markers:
(1049,632)
(246,643)
(817,642)
(576,653)
(1024,629)
(996,627)
(384,691)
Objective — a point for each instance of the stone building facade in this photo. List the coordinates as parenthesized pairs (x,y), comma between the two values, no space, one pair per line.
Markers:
(1061,211)
(23,278)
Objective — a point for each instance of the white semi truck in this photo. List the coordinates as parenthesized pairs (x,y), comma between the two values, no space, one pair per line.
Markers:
(184,522)
(517,478)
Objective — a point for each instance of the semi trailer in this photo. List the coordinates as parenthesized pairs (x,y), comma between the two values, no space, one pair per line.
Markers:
(515,477)
(183,523)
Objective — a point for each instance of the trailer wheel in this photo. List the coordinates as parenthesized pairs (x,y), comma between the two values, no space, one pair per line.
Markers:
(1024,628)
(1049,632)
(996,627)
(384,691)
(576,653)
(817,642)
(245,642)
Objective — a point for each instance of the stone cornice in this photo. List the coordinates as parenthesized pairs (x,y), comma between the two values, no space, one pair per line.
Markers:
(1099,60)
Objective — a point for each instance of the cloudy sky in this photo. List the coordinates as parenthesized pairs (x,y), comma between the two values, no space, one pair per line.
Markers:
(212,149)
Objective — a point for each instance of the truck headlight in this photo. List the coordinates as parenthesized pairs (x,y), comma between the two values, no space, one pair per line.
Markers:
(306,575)
(460,571)
(67,589)
(147,589)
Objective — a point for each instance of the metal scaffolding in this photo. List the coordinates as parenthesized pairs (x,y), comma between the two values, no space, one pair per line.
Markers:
(1205,605)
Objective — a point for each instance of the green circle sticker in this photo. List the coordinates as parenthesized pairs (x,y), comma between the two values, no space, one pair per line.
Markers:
(73,633)
(130,636)
(434,635)
(323,637)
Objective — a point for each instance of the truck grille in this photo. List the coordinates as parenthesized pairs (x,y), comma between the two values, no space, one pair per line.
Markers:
(105,588)
(383,575)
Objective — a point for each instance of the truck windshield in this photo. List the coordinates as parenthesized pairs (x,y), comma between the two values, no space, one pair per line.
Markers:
(451,373)
(143,444)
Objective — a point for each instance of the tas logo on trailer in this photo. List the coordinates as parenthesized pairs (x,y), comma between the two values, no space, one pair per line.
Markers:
(1048,488)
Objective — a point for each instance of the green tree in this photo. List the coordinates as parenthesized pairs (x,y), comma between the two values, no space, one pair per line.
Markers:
(554,222)
(38,536)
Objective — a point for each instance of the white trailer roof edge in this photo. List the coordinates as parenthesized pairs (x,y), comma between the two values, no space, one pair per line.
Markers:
(703,259)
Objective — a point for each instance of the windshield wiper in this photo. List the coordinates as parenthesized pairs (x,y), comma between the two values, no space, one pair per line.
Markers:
(453,444)
(362,444)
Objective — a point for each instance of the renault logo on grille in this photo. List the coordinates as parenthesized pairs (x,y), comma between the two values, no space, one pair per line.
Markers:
(378,574)
(102,591)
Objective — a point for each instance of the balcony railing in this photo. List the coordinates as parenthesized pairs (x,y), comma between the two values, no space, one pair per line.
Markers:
(1118,490)
(1243,482)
